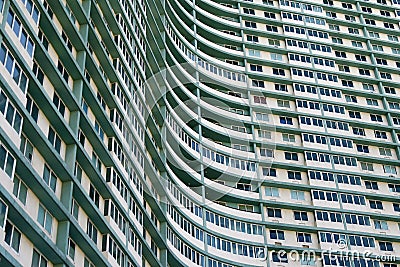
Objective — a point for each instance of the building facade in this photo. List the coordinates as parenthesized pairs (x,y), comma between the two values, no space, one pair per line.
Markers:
(213,133)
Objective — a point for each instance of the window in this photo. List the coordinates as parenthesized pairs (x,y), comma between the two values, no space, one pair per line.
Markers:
(380,134)
(377,48)
(347,5)
(322,195)
(26,148)
(244,207)
(275,213)
(329,216)
(262,116)
(386,75)
(264,134)
(281,87)
(250,24)
(394,188)
(385,246)
(361,58)
(7,161)
(277,234)
(269,172)
(20,190)
(31,8)
(272,192)
(359,131)
(244,187)
(388,25)
(3,213)
(49,178)
(274,42)
(297,195)
(337,125)
(313,156)
(394,105)
(370,22)
(277,71)
(371,185)
(32,108)
(283,103)
(366,9)
(389,90)
(376,204)
(91,231)
(291,156)
(341,142)
(12,115)
(393,38)
(385,151)
(396,207)
(288,137)
(71,249)
(353,30)
(58,103)
(252,38)
(352,199)
(94,195)
(292,175)
(372,102)
(279,257)
(255,67)
(38,260)
(361,241)
(12,236)
(54,139)
(366,166)
(43,39)
(333,108)
(395,51)
(381,225)
(266,152)
(364,72)
(354,114)
(257,83)
(63,71)
(45,219)
(275,56)
(381,61)
(344,68)
(13,68)
(238,128)
(23,37)
(300,215)
(331,14)
(271,28)
(304,238)
(75,209)
(389,169)
(335,39)
(368,87)
(348,179)
(249,11)
(286,120)
(362,148)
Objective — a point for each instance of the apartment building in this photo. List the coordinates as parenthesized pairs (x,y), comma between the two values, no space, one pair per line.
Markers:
(215,133)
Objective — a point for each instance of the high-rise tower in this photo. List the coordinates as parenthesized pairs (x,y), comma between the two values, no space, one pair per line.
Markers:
(215,133)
